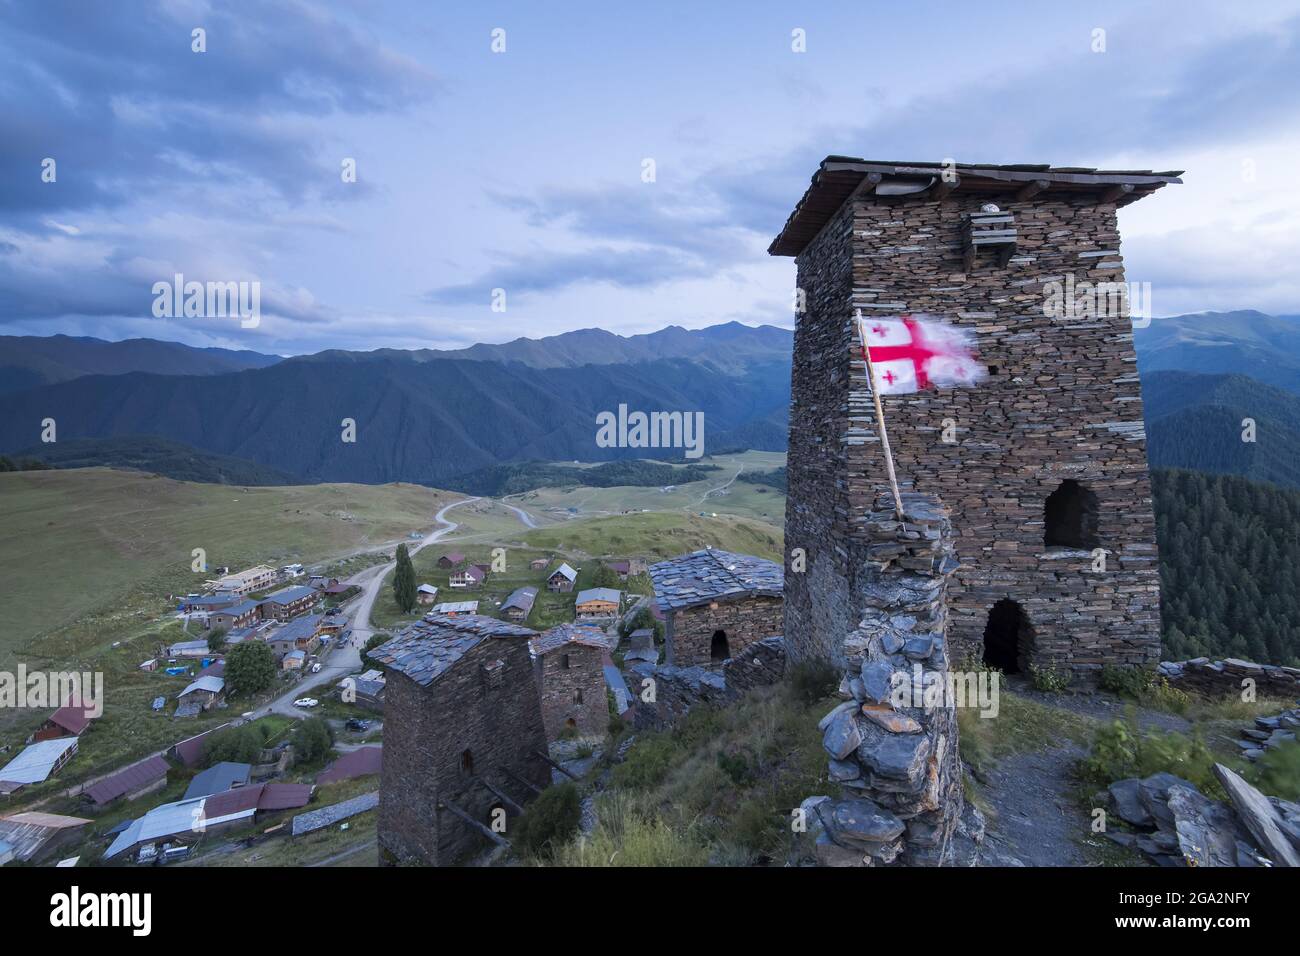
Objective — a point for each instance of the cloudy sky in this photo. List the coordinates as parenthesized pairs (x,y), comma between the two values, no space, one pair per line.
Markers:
(523,169)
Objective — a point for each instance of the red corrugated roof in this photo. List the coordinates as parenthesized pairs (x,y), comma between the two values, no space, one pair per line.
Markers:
(127,781)
(358,763)
(284,796)
(72,718)
(262,797)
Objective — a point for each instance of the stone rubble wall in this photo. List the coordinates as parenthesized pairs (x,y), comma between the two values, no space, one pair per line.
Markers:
(679,689)
(744,620)
(1224,678)
(895,757)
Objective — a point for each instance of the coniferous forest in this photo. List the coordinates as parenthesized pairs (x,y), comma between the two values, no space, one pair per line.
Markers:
(1229,567)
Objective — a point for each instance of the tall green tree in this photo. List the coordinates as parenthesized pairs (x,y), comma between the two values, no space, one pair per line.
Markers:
(404,581)
(250,668)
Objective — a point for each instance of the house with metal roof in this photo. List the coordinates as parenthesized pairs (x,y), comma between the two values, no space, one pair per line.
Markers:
(463,735)
(716,603)
(456,607)
(598,602)
(561,579)
(34,836)
(470,576)
(519,605)
(70,720)
(426,594)
(203,692)
(219,778)
(130,783)
(287,602)
(37,763)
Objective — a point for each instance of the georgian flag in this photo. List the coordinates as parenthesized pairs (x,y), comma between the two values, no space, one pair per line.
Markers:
(911,353)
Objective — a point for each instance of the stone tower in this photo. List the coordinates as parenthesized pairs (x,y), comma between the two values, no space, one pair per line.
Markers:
(1043,465)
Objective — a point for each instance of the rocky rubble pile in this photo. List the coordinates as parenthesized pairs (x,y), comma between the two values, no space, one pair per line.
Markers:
(1269,732)
(892,743)
(676,690)
(1177,825)
(1216,678)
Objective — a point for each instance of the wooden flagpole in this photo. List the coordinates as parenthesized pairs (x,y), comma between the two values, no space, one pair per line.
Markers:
(880,416)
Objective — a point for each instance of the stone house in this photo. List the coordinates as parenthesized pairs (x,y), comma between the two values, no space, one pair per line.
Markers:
(569,663)
(463,736)
(1043,464)
(715,604)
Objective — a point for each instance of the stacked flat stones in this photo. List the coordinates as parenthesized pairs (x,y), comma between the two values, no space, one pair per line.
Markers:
(1269,732)
(1218,678)
(897,766)
(678,690)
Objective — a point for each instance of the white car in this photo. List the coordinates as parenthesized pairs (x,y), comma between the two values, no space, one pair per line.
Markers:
(306,702)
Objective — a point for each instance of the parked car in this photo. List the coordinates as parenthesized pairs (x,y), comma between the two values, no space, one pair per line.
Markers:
(357,724)
(306,702)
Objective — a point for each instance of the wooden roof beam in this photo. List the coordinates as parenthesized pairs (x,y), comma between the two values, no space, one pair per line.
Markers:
(1032,188)
(1116,192)
(942,189)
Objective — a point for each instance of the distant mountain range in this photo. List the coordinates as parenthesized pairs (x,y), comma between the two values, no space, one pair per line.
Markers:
(27,361)
(432,416)
(428,416)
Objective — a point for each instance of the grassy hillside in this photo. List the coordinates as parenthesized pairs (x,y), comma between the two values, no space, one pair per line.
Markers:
(658,535)
(87,555)
(159,456)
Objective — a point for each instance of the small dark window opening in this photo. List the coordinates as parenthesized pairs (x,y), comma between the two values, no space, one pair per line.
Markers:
(1008,638)
(564,662)
(718,649)
(466,761)
(577,696)
(571,723)
(993,370)
(1070,517)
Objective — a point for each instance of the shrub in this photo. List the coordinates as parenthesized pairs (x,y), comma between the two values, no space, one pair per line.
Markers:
(812,681)
(1048,679)
(1121,750)
(1145,686)
(217,639)
(1277,773)
(647,762)
(312,740)
(242,744)
(379,637)
(250,668)
(550,820)
(737,767)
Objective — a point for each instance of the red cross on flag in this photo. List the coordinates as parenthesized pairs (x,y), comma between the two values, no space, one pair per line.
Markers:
(912,352)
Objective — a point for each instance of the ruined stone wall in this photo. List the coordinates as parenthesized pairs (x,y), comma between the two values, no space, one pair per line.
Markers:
(744,620)
(560,687)
(1226,678)
(1062,402)
(678,690)
(487,704)
(892,743)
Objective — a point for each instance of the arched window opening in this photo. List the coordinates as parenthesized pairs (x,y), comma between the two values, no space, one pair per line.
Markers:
(1008,638)
(1070,517)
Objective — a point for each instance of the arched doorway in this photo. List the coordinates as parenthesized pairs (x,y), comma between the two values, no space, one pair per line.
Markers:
(1008,638)
(718,648)
(1070,517)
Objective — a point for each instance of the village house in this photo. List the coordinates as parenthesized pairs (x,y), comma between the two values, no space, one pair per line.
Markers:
(288,602)
(463,736)
(468,577)
(451,559)
(70,720)
(246,582)
(183,649)
(203,694)
(130,783)
(519,605)
(210,602)
(716,603)
(426,594)
(562,579)
(37,763)
(456,608)
(299,634)
(35,836)
(220,777)
(365,690)
(598,602)
(569,664)
(538,564)
(293,661)
(1048,464)
(234,617)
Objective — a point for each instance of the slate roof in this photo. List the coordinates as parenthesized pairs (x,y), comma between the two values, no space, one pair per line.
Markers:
(612,595)
(711,574)
(838,177)
(425,650)
(565,570)
(218,778)
(521,598)
(565,634)
(316,819)
(127,780)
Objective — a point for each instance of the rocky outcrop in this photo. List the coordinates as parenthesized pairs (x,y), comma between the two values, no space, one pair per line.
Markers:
(892,743)
(1176,825)
(1268,733)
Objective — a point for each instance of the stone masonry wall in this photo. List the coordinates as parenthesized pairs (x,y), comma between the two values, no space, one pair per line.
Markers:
(892,743)
(1062,402)
(1225,678)
(677,690)
(560,687)
(745,620)
(485,704)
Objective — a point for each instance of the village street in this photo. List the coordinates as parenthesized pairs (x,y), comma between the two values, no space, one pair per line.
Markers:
(346,659)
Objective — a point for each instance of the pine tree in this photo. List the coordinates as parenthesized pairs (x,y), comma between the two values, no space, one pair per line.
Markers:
(404,581)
